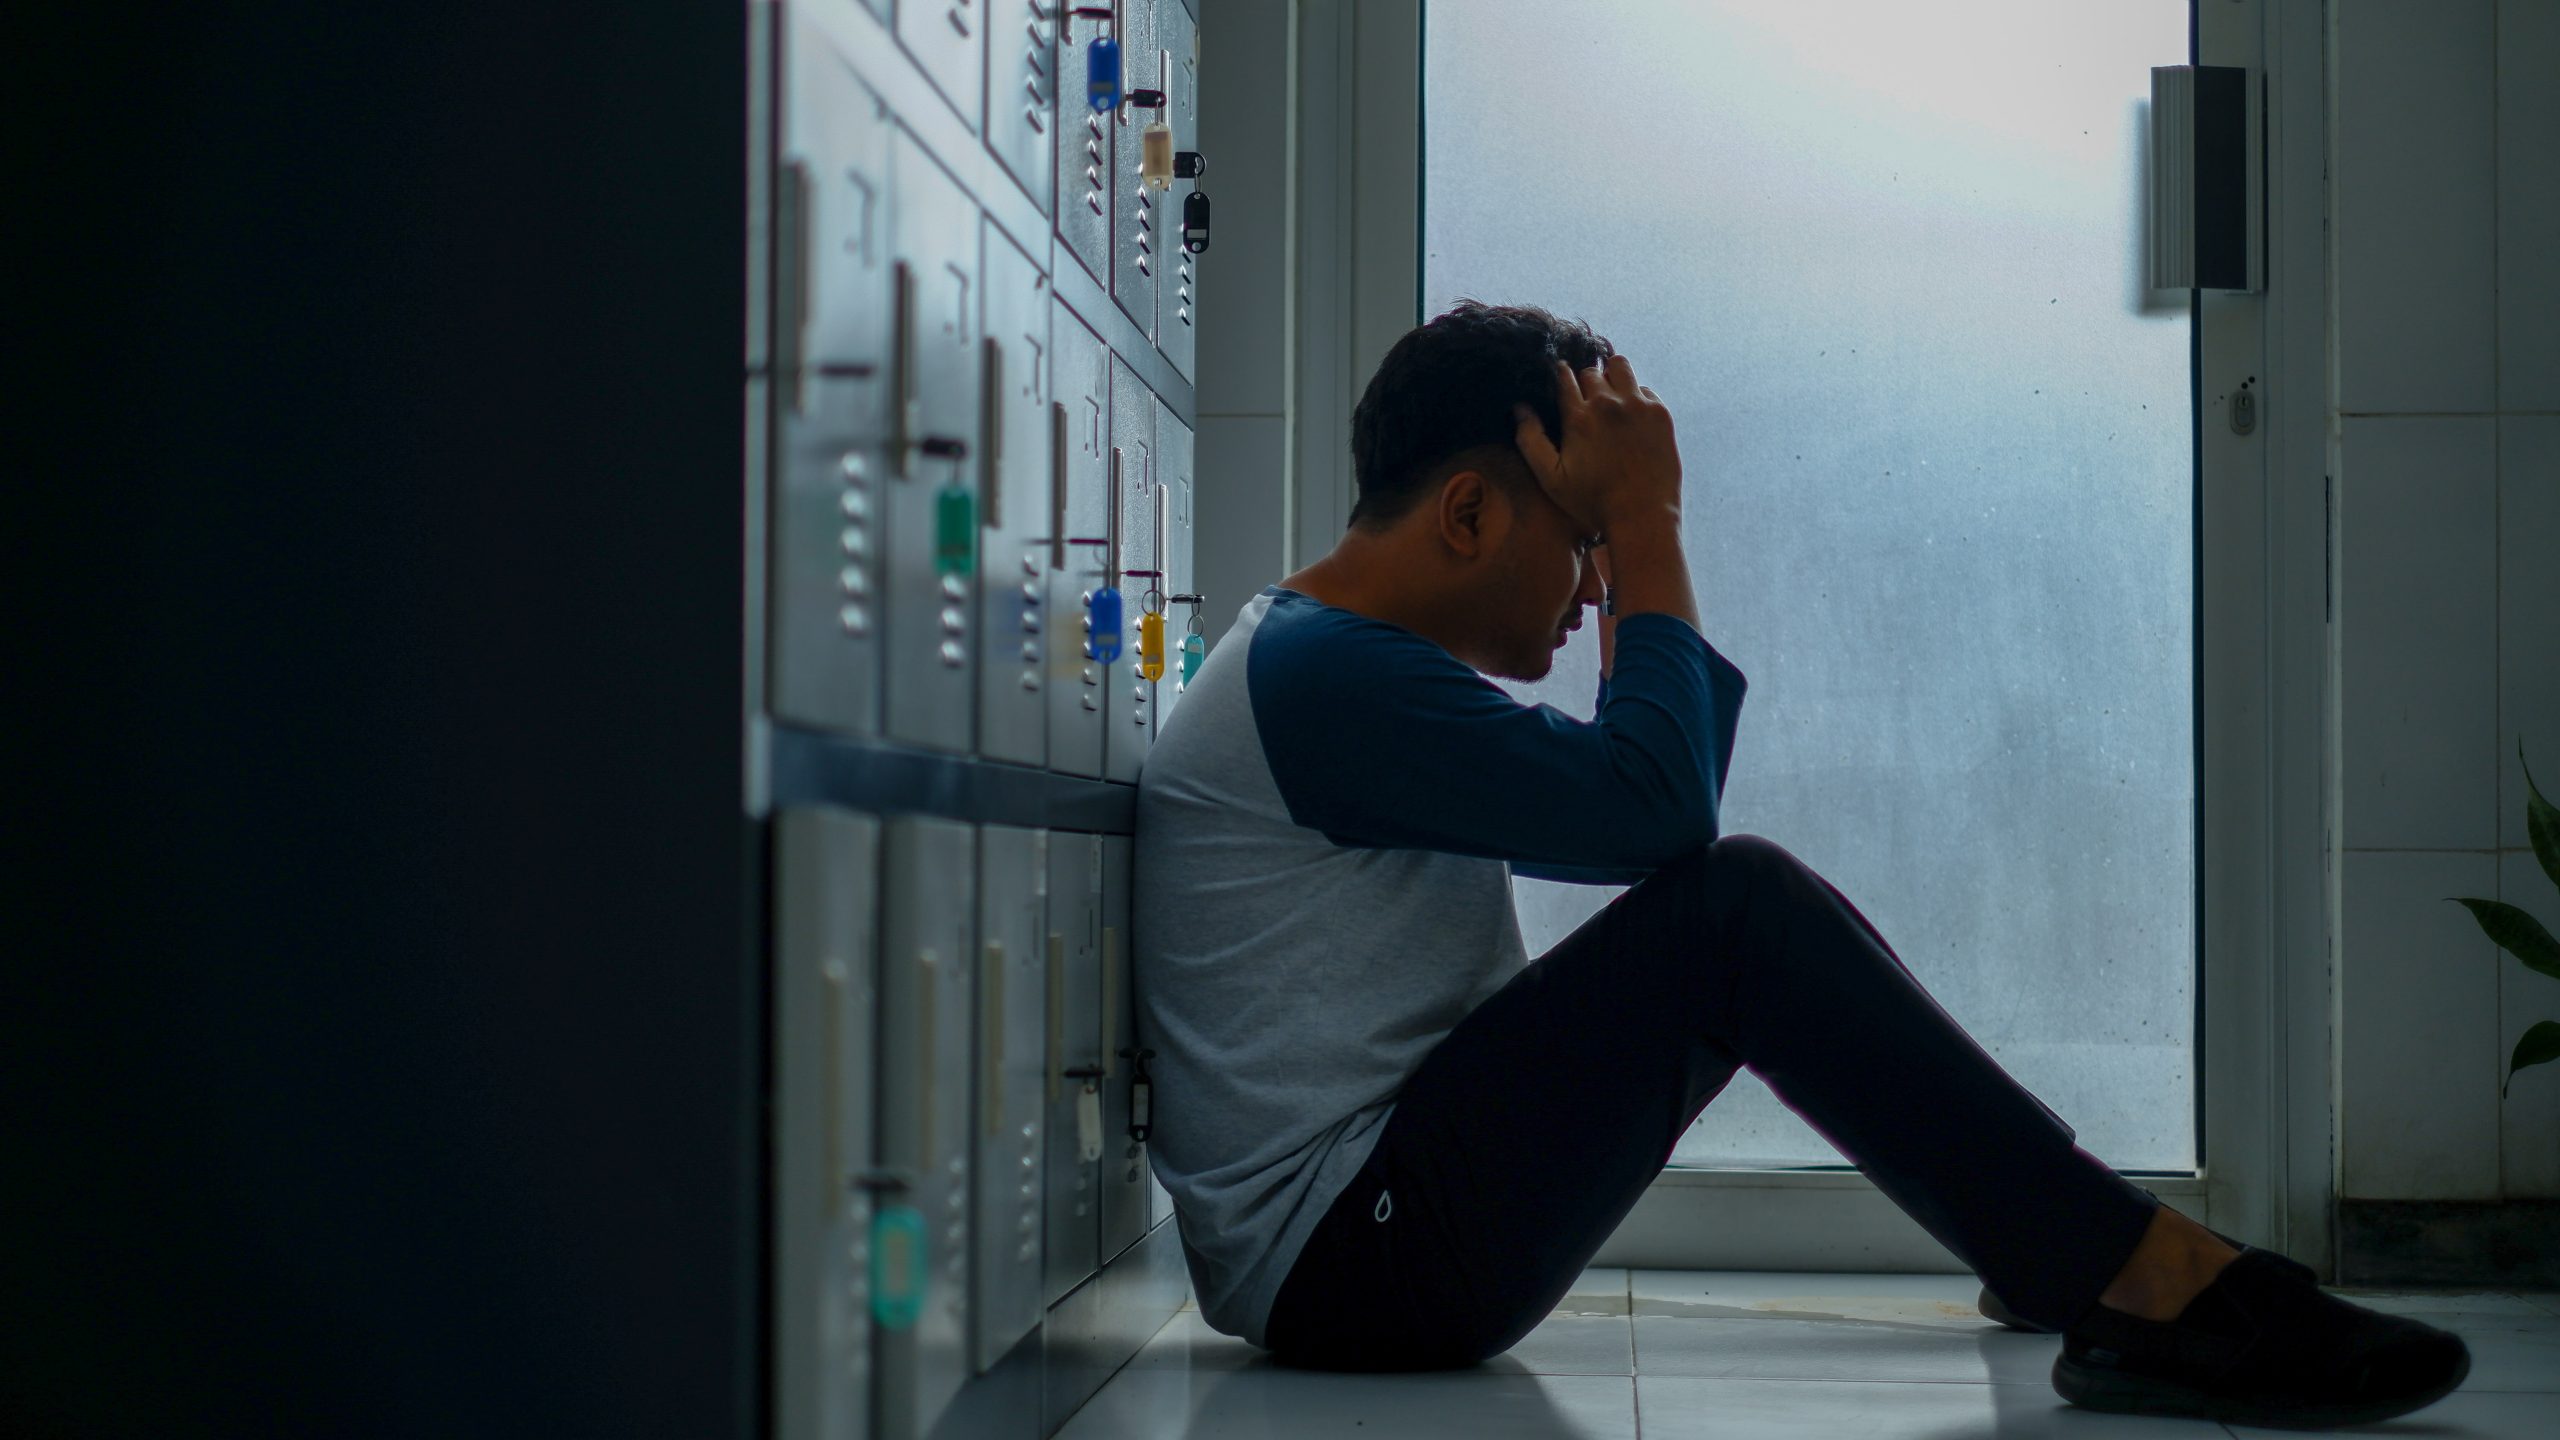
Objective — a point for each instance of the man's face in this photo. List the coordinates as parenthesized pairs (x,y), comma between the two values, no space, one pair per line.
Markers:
(1542,578)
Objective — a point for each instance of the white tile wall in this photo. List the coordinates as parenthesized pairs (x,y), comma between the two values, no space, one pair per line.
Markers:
(2445,120)
(1242,481)
(2528,205)
(2529,1118)
(1244,136)
(2417,632)
(2412,189)
(2528,609)
(2418,1000)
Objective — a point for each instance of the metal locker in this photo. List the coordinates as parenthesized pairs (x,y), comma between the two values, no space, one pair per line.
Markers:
(1136,210)
(927,978)
(1073,1208)
(1013,567)
(944,37)
(1126,1179)
(825,889)
(1127,721)
(1178,283)
(1022,94)
(1012,1096)
(1083,153)
(929,680)
(1173,542)
(833,336)
(1079,509)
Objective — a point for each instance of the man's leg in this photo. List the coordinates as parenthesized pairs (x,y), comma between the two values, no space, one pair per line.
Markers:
(1527,1134)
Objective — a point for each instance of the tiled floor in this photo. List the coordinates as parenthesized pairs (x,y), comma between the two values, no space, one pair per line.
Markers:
(1687,1354)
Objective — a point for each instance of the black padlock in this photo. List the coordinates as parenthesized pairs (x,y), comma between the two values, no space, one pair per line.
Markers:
(1195,221)
(1188,164)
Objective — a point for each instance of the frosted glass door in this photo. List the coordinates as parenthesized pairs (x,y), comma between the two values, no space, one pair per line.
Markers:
(1883,261)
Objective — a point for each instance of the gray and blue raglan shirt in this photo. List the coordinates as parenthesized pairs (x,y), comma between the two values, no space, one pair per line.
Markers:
(1327,829)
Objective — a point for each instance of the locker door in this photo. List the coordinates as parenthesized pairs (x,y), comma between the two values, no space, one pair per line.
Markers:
(945,38)
(929,681)
(1013,1002)
(927,977)
(833,328)
(1013,566)
(1022,94)
(1173,532)
(1133,205)
(1179,287)
(1073,1208)
(1125,1178)
(1080,508)
(826,883)
(1083,155)
(1128,697)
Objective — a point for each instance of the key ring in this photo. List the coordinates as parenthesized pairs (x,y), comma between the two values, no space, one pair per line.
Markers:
(1151,603)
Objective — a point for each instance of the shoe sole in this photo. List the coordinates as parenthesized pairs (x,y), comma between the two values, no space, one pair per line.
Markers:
(2114,1390)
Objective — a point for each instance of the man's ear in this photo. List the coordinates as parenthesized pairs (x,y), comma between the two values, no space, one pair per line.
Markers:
(1465,512)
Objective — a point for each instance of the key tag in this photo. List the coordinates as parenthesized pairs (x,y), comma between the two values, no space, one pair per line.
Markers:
(1142,1094)
(1151,634)
(1195,648)
(899,1261)
(1089,1122)
(1155,153)
(1102,621)
(1195,222)
(1101,62)
(955,530)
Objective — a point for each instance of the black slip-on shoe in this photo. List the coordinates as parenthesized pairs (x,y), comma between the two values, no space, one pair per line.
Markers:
(2262,1345)
(1998,1313)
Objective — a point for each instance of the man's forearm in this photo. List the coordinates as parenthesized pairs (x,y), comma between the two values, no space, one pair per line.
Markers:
(1648,572)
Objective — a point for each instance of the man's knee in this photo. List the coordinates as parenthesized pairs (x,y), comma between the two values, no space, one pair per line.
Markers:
(1728,850)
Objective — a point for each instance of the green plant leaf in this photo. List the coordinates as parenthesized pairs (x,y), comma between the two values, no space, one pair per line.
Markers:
(2541,821)
(2517,933)
(2539,1043)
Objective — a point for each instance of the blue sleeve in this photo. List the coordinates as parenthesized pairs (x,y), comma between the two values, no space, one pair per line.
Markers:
(1379,738)
(1586,874)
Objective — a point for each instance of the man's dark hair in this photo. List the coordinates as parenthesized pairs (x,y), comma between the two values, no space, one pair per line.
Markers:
(1448,387)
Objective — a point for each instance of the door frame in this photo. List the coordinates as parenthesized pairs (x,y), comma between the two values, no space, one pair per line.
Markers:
(2266,884)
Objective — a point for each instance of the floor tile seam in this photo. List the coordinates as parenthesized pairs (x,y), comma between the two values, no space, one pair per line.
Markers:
(1855,1380)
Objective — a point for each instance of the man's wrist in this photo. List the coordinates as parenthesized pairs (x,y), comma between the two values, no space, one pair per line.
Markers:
(1636,522)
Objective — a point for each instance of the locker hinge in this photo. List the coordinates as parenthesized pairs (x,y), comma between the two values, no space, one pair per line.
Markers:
(2328,549)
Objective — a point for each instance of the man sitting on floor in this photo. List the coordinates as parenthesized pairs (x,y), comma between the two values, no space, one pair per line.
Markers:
(1392,1140)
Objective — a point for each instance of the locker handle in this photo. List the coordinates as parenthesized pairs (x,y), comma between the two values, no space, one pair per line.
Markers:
(991,425)
(991,1042)
(1057,1012)
(902,401)
(1110,999)
(928,970)
(792,306)
(1058,486)
(831,1076)
(1111,559)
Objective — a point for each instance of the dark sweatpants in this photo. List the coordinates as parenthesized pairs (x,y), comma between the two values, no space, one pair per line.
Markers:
(1531,1130)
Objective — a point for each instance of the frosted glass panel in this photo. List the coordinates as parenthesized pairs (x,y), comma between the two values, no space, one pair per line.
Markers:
(1882,260)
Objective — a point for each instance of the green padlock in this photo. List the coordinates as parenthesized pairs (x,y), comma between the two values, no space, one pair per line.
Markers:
(955,539)
(898,1266)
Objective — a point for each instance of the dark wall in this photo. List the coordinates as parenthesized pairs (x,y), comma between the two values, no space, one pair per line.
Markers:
(379,1004)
